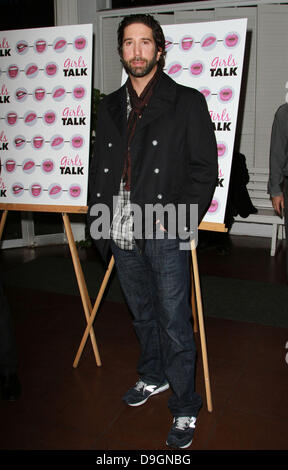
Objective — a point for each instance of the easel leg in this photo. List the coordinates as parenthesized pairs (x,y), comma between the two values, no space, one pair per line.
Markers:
(81,283)
(94,311)
(2,224)
(193,303)
(201,326)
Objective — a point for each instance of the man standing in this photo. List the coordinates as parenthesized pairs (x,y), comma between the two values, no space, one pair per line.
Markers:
(155,145)
(278,184)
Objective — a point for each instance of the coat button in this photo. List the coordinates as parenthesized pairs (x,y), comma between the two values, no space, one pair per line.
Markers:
(110,144)
(156,170)
(106,170)
(159,196)
(154,142)
(98,195)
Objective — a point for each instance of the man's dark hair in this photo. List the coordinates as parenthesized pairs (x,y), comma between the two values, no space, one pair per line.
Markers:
(149,21)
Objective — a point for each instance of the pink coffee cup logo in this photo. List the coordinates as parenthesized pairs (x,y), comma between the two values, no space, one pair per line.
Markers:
(11,118)
(39,93)
(40,46)
(10,165)
(186,43)
(13,71)
(36,190)
(38,142)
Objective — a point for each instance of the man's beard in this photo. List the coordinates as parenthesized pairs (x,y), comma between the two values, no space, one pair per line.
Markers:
(137,71)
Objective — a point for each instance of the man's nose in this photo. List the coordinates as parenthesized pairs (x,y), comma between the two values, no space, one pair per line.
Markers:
(137,49)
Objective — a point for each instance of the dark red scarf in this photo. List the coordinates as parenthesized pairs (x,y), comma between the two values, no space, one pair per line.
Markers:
(138,104)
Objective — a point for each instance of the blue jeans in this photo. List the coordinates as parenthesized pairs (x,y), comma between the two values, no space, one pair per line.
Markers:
(156,284)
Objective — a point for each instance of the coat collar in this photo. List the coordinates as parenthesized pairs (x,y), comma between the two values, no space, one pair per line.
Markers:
(163,98)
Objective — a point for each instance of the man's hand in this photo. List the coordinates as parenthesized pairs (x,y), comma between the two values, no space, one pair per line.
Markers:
(278,204)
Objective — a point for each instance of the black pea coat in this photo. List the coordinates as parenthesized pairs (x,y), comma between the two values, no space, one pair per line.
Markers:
(173,153)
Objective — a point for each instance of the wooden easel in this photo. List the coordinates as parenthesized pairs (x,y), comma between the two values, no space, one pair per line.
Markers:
(86,302)
(196,301)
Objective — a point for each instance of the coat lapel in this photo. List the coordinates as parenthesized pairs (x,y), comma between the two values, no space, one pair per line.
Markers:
(162,100)
(117,108)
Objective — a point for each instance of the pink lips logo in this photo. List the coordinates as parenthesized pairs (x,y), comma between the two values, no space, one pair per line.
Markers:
(168,44)
(79,92)
(225,94)
(174,69)
(17,189)
(231,40)
(59,45)
(28,166)
(214,206)
(48,166)
(77,141)
(49,117)
(74,190)
(31,70)
(21,94)
(30,118)
(21,47)
(205,92)
(80,43)
(208,42)
(221,149)
(58,93)
(19,142)
(57,142)
(51,69)
(55,190)
(196,68)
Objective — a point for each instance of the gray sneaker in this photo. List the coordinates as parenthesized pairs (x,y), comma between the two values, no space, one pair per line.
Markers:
(140,393)
(181,432)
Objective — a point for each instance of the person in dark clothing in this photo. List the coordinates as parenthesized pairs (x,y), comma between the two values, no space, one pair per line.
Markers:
(155,145)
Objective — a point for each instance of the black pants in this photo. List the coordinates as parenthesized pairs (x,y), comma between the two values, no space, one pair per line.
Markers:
(285,193)
(8,352)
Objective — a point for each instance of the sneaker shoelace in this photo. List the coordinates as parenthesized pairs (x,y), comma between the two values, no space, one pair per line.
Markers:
(184,422)
(140,385)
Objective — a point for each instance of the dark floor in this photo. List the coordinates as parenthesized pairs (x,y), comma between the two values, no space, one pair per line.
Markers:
(62,408)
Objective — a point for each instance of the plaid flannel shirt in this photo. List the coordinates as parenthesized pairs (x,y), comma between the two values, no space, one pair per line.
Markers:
(121,230)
